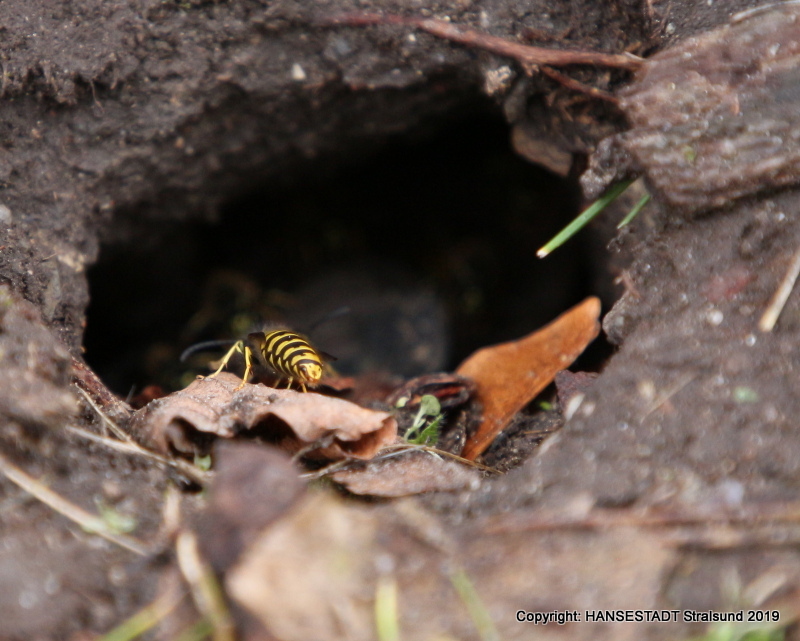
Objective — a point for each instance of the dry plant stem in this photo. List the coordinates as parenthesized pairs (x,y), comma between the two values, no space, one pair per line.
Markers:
(87,521)
(668,394)
(529,57)
(325,471)
(781,295)
(147,618)
(115,429)
(392,450)
(205,589)
(401,447)
(87,381)
(775,513)
(131,447)
(728,538)
(573,84)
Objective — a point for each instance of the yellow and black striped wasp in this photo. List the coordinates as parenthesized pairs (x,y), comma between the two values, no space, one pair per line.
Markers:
(285,352)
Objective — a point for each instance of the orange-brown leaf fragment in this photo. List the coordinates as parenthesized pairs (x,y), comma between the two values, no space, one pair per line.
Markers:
(216,406)
(508,376)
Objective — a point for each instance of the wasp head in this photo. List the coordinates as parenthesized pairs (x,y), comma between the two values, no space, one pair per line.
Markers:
(310,372)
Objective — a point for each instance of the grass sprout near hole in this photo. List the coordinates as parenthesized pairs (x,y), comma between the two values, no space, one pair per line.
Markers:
(585,217)
(634,211)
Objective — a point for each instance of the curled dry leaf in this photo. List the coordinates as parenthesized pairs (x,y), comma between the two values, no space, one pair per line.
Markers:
(407,474)
(214,406)
(508,376)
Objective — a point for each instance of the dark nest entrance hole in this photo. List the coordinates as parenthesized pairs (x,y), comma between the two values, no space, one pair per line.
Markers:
(429,241)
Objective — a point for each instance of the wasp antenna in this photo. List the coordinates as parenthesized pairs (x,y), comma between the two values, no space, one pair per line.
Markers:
(339,311)
(199,347)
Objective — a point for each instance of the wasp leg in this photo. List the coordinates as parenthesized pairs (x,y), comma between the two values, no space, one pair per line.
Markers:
(248,367)
(303,386)
(289,384)
(237,347)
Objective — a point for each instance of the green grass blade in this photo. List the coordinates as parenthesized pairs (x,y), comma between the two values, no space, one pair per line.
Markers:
(477,610)
(583,219)
(633,212)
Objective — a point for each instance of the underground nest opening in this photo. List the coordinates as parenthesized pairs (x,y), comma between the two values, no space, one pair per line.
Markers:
(429,244)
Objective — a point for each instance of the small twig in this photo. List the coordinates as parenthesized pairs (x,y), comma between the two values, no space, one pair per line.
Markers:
(87,521)
(84,377)
(206,592)
(115,429)
(400,447)
(575,85)
(390,451)
(668,394)
(328,469)
(726,537)
(781,295)
(132,447)
(528,56)
(320,444)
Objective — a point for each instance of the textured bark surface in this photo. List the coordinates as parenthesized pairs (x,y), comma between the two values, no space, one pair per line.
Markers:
(715,118)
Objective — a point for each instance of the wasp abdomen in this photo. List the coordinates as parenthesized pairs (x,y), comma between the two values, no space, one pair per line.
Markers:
(290,354)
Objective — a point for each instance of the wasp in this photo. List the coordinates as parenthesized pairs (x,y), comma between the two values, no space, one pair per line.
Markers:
(287,353)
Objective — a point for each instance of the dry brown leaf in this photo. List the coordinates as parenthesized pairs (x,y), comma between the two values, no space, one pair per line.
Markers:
(253,487)
(215,406)
(407,474)
(508,376)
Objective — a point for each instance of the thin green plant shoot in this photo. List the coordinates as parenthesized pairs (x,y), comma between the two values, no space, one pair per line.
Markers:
(633,212)
(427,423)
(584,218)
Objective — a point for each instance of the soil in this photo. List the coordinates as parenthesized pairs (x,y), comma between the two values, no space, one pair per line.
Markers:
(197,165)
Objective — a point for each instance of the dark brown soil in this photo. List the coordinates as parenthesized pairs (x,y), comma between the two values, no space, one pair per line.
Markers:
(202,164)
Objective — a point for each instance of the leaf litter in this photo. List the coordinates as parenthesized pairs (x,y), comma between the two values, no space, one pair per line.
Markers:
(510,375)
(502,379)
(241,531)
(215,407)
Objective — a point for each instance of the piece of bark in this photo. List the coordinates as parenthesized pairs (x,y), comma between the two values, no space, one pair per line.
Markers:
(714,118)
(35,372)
